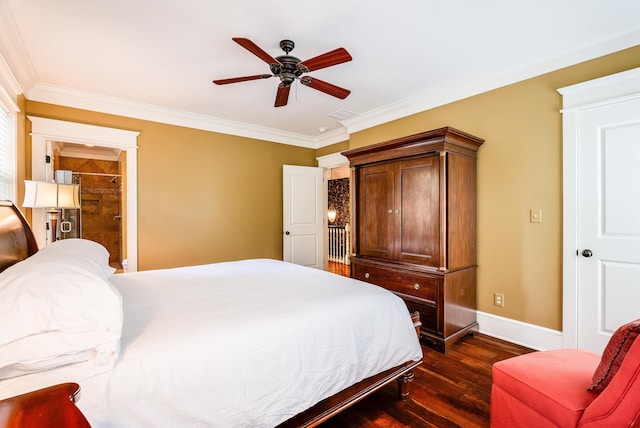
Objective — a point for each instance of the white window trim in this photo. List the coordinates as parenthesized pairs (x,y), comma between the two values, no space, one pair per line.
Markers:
(9,91)
(11,152)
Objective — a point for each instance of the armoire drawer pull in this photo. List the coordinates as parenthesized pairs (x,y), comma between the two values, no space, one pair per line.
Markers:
(416,286)
(366,274)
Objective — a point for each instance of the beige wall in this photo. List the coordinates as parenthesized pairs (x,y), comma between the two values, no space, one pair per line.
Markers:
(519,168)
(202,196)
(334,148)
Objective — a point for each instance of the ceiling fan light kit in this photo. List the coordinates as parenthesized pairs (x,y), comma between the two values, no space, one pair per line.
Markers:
(289,69)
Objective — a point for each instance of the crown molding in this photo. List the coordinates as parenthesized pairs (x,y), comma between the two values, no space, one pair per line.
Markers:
(332,137)
(88,152)
(332,160)
(9,87)
(603,41)
(59,95)
(12,49)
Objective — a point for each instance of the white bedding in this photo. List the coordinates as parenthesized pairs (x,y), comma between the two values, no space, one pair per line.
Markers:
(237,344)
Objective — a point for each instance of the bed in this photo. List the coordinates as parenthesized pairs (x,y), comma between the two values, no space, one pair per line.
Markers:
(259,343)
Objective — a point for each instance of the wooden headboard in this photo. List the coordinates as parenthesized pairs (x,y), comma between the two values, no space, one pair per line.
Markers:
(16,238)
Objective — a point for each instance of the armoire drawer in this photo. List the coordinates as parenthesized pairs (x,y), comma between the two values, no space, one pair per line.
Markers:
(413,284)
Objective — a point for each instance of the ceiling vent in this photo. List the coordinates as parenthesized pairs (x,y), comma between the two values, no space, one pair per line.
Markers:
(342,114)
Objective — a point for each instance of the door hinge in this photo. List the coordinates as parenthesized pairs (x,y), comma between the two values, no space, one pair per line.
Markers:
(47,159)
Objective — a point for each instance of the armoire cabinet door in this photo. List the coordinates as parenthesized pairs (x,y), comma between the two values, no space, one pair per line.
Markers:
(417,202)
(400,211)
(375,213)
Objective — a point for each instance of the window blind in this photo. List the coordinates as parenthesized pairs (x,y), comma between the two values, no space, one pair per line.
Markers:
(7,158)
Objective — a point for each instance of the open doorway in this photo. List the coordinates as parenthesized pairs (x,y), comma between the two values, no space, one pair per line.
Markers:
(339,215)
(44,131)
(100,173)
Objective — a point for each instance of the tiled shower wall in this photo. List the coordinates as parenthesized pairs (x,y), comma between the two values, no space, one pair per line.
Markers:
(100,202)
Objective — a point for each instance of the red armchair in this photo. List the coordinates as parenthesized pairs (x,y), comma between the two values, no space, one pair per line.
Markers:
(550,388)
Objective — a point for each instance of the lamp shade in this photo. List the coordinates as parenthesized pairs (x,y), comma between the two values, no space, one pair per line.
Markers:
(68,196)
(40,194)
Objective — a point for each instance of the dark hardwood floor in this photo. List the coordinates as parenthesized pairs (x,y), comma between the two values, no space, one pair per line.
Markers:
(449,390)
(339,268)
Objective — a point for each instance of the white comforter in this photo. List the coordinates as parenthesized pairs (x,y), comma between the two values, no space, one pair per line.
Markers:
(237,344)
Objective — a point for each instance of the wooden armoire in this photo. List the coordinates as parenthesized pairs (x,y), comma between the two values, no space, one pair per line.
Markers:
(414,226)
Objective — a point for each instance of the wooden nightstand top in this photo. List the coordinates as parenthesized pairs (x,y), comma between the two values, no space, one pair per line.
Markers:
(48,407)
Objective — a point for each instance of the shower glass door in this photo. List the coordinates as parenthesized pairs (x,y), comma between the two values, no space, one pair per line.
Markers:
(70,224)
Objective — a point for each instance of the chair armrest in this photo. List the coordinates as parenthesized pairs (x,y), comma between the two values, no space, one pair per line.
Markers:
(618,405)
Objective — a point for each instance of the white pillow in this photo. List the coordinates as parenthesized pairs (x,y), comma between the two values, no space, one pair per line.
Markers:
(88,253)
(58,308)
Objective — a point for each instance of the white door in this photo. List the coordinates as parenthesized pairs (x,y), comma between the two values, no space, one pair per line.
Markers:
(608,220)
(303,215)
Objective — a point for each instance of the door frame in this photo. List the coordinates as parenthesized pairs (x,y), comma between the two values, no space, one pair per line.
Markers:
(575,99)
(43,130)
(327,162)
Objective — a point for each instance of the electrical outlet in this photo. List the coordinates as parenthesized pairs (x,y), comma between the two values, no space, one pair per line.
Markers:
(498,300)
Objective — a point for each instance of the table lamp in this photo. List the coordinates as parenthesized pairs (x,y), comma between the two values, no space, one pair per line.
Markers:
(52,196)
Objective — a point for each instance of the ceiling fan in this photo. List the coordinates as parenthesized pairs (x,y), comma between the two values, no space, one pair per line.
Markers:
(289,68)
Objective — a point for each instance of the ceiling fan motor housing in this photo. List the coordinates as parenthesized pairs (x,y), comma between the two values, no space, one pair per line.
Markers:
(286,70)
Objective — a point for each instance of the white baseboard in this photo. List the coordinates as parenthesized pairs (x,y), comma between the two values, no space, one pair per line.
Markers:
(529,335)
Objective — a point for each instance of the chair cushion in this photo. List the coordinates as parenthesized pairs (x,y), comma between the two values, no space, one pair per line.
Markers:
(614,354)
(550,383)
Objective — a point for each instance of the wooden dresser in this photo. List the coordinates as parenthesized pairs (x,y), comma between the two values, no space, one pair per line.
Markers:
(414,231)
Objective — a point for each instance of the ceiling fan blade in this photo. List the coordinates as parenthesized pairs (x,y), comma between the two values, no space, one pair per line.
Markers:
(336,56)
(282,96)
(241,79)
(255,49)
(325,87)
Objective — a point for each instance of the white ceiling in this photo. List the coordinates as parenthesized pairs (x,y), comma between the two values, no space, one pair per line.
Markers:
(156,59)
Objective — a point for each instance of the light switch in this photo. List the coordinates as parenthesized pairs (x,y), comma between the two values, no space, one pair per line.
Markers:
(535,215)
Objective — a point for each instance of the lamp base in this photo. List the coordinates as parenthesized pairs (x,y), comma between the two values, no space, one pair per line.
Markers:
(53,218)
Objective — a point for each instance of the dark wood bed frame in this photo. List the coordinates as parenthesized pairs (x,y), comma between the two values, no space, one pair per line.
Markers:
(17,243)
(16,239)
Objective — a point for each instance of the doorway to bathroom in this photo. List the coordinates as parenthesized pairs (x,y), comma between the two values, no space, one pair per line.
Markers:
(99,172)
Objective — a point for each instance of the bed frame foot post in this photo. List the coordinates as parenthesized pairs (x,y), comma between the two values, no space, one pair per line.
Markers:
(415,317)
(403,385)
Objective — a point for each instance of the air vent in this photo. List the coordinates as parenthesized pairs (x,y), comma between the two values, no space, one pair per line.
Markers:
(342,114)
